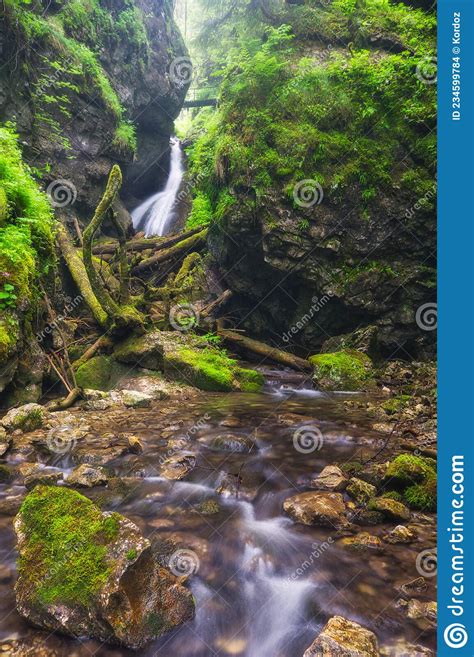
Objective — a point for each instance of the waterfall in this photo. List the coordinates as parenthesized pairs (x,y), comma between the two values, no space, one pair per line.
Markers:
(153,216)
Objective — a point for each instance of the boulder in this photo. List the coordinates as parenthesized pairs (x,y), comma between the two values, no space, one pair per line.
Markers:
(136,399)
(42,478)
(231,442)
(26,418)
(344,638)
(360,490)
(331,478)
(143,351)
(100,373)
(422,614)
(315,508)
(87,573)
(177,467)
(400,534)
(348,370)
(87,476)
(391,509)
(5,441)
(401,648)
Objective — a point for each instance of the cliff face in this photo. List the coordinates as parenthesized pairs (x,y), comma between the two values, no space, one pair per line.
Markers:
(317,175)
(89,84)
(85,84)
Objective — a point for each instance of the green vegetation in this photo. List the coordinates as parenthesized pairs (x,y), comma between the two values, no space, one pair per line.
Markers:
(343,370)
(67,536)
(415,478)
(99,373)
(423,496)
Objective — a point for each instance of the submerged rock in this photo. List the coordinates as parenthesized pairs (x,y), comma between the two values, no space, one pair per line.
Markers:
(87,573)
(363,542)
(5,441)
(314,508)
(422,614)
(177,467)
(231,442)
(331,478)
(42,478)
(344,638)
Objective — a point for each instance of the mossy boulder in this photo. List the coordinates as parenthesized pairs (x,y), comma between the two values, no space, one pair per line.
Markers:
(26,418)
(391,509)
(408,469)
(142,351)
(422,496)
(348,370)
(100,373)
(77,575)
(360,490)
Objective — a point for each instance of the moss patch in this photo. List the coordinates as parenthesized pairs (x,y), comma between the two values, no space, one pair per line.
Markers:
(66,544)
(99,373)
(416,480)
(423,496)
(343,370)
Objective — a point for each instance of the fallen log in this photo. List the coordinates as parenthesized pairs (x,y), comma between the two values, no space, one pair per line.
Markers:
(179,250)
(65,403)
(220,301)
(78,272)
(155,243)
(262,349)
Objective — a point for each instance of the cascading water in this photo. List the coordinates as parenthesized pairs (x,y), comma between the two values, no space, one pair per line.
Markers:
(154,215)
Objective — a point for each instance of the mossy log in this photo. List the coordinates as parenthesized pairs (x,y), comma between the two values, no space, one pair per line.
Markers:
(178,251)
(262,349)
(137,245)
(78,272)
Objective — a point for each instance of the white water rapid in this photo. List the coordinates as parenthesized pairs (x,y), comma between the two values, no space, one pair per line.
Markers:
(153,216)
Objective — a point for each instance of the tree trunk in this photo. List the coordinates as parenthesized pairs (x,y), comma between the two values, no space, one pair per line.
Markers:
(157,244)
(179,250)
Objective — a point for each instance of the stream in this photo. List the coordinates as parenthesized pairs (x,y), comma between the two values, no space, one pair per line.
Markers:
(264,586)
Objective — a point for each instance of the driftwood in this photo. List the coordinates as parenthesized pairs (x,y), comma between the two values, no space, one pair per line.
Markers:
(155,243)
(65,403)
(178,251)
(262,349)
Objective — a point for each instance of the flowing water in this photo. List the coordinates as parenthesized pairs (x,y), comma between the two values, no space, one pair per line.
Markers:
(155,215)
(264,586)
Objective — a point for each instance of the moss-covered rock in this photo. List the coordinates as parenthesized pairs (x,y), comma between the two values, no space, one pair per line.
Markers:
(343,370)
(344,638)
(360,490)
(76,573)
(408,469)
(423,496)
(26,418)
(142,351)
(99,373)
(391,509)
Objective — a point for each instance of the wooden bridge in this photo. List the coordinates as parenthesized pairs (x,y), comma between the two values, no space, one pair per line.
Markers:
(195,99)
(206,102)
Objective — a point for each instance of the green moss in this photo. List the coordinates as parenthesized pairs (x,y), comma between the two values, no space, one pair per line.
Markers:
(393,495)
(30,421)
(99,373)
(343,370)
(9,335)
(422,496)
(407,469)
(396,404)
(131,555)
(249,380)
(3,206)
(66,544)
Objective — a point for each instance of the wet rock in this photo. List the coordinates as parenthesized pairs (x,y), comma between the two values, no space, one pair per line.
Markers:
(230,442)
(238,486)
(6,474)
(400,534)
(315,508)
(401,648)
(5,441)
(363,542)
(414,588)
(134,445)
(87,476)
(366,518)
(360,490)
(25,418)
(331,478)
(136,399)
(231,422)
(177,467)
(6,574)
(208,508)
(344,638)
(42,478)
(30,647)
(122,596)
(391,509)
(10,504)
(343,370)
(422,614)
